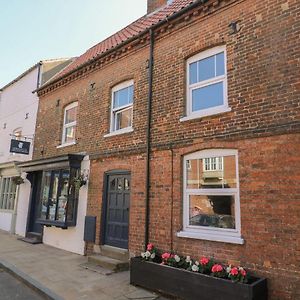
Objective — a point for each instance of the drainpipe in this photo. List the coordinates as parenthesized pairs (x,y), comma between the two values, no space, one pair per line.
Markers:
(148,137)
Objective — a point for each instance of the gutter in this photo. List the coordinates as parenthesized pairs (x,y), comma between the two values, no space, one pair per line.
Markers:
(152,27)
(148,136)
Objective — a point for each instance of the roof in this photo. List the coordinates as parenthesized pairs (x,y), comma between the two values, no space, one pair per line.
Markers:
(50,62)
(133,30)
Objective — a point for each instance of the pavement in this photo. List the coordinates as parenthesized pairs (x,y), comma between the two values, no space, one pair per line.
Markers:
(60,273)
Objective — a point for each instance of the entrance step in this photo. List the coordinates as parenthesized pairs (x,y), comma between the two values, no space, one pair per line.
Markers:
(109,263)
(32,238)
(113,252)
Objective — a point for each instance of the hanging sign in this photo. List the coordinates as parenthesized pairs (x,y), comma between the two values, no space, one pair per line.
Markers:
(20,147)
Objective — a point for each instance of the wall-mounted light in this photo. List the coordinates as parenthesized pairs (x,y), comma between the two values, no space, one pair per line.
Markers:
(235,27)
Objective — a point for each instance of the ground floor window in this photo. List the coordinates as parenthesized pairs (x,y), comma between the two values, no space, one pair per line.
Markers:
(59,196)
(211,196)
(7,193)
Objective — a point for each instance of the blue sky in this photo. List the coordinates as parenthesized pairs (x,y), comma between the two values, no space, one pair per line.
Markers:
(33,30)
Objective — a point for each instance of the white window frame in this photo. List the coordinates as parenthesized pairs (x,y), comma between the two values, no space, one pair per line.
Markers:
(115,111)
(7,191)
(190,87)
(210,233)
(65,126)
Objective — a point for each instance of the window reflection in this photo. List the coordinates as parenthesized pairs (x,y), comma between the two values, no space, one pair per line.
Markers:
(212,211)
(211,172)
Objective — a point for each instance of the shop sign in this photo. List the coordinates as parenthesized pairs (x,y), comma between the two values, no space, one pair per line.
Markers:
(20,147)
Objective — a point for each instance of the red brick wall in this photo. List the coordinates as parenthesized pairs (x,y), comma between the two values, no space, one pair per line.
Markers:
(269,196)
(263,93)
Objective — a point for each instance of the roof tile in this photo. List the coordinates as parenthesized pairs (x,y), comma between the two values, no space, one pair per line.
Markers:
(126,33)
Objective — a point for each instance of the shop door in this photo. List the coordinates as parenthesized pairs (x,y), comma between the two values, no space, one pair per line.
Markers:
(34,226)
(117,210)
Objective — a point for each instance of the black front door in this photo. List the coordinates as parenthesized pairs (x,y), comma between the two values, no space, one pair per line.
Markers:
(36,182)
(117,210)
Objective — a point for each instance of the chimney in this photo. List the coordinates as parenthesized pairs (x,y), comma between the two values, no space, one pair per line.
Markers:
(153,5)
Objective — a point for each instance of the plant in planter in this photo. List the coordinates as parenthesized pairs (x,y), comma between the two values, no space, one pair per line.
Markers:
(79,181)
(18,180)
(191,279)
(151,254)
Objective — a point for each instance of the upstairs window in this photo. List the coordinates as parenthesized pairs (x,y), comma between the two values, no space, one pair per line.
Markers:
(70,122)
(122,107)
(207,83)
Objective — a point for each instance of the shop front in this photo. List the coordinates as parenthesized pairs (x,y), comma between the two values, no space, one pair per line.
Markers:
(57,205)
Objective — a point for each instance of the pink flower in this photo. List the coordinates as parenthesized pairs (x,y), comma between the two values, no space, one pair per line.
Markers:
(166,256)
(234,271)
(150,247)
(204,261)
(216,268)
(243,272)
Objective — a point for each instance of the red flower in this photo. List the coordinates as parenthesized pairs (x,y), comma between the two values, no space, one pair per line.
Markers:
(166,255)
(234,271)
(216,268)
(150,247)
(243,272)
(204,261)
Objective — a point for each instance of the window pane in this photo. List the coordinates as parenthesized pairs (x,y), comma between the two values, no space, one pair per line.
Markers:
(70,134)
(211,172)
(45,194)
(53,198)
(123,119)
(206,68)
(220,64)
(123,97)
(207,97)
(212,211)
(193,73)
(71,115)
(63,197)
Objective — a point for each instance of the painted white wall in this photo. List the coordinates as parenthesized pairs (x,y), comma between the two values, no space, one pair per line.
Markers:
(5,220)
(71,239)
(15,101)
(22,208)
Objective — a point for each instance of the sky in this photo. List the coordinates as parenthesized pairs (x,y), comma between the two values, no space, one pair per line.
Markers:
(33,30)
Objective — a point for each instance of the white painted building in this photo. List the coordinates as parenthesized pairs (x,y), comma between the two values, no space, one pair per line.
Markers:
(18,111)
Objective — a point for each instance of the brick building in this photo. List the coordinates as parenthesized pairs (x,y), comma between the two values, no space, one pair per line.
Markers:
(188,120)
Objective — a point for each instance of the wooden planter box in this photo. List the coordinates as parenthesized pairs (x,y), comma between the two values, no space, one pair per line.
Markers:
(189,285)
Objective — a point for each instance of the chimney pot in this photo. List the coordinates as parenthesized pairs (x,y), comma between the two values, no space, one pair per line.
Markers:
(153,5)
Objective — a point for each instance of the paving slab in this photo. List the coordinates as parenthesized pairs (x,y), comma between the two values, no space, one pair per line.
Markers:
(62,273)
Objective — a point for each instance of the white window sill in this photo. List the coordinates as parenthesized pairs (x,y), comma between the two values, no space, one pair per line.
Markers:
(65,145)
(198,115)
(211,237)
(121,131)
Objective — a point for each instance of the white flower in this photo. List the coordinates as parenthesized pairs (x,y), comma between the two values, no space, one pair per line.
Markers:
(143,254)
(228,269)
(195,268)
(152,255)
(177,258)
(197,263)
(147,254)
(188,259)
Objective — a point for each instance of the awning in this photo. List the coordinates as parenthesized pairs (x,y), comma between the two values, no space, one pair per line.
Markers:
(58,162)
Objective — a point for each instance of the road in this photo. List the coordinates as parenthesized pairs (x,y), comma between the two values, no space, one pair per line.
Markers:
(13,289)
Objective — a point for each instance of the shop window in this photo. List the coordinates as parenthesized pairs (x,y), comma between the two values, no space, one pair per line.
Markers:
(59,197)
(211,196)
(7,193)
